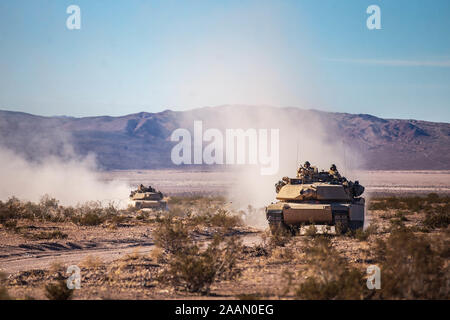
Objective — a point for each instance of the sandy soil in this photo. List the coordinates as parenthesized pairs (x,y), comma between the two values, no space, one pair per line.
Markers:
(127,270)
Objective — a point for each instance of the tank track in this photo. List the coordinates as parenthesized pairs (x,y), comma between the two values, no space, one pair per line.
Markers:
(341,221)
(275,219)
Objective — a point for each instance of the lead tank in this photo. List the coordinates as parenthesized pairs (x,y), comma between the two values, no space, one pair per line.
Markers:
(320,200)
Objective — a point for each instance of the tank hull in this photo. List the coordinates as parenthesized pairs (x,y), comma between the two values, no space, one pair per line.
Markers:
(150,204)
(294,214)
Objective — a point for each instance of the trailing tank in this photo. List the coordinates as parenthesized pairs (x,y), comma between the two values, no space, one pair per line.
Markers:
(148,198)
(320,199)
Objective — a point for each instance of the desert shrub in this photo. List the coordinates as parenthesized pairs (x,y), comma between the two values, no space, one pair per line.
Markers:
(220,218)
(4,295)
(282,255)
(93,214)
(311,231)
(190,266)
(333,277)
(88,219)
(278,236)
(378,205)
(157,254)
(361,234)
(396,223)
(412,266)
(58,290)
(48,235)
(48,202)
(345,286)
(415,204)
(56,267)
(10,210)
(196,270)
(48,209)
(193,270)
(223,219)
(10,224)
(433,197)
(439,218)
(118,219)
(410,204)
(385,203)
(171,235)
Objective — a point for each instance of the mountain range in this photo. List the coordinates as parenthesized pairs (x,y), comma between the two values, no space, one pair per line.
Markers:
(142,140)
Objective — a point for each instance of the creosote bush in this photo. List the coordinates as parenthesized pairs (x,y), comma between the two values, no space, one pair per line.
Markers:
(4,295)
(410,204)
(220,218)
(438,218)
(278,236)
(48,209)
(191,266)
(412,266)
(171,235)
(58,290)
(47,235)
(361,234)
(332,277)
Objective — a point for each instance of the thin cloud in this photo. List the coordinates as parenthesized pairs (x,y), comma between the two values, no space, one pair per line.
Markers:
(395,63)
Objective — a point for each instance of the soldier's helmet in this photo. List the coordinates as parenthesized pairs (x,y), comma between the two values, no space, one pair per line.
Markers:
(333,167)
(307,164)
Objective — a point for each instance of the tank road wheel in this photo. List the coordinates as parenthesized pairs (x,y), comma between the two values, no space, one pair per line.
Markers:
(341,221)
(276,223)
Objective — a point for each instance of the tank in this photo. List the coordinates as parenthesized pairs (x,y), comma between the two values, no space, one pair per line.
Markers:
(322,198)
(148,198)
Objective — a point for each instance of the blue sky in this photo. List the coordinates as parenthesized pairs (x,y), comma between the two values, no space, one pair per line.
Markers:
(137,55)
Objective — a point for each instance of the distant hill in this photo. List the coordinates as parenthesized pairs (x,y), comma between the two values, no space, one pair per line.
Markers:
(142,140)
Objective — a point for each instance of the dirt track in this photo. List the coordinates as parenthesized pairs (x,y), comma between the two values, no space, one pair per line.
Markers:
(42,254)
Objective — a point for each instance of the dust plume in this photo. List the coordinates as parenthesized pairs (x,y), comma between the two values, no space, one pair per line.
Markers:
(71,180)
(303,135)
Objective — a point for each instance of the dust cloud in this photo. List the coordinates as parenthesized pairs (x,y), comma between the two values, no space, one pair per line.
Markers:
(304,135)
(70,179)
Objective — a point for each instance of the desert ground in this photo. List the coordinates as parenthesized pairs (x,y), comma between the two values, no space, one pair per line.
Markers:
(201,248)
